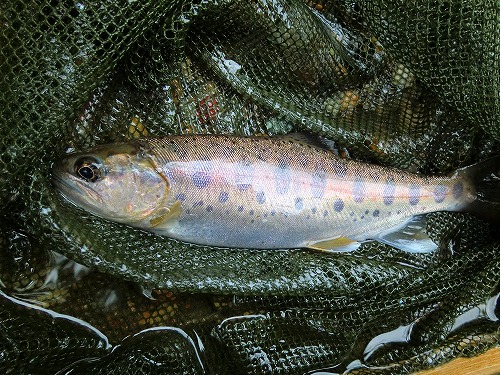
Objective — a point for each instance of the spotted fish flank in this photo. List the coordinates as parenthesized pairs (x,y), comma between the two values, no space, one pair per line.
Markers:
(439,193)
(318,183)
(299,204)
(179,150)
(389,194)
(414,194)
(199,203)
(340,170)
(358,190)
(256,192)
(282,177)
(338,205)
(223,197)
(244,174)
(200,179)
(260,197)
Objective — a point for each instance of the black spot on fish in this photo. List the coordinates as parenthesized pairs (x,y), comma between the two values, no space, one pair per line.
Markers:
(439,193)
(362,217)
(314,211)
(260,197)
(181,197)
(251,212)
(252,221)
(179,151)
(273,213)
(200,179)
(325,213)
(367,212)
(318,183)
(213,145)
(262,157)
(283,163)
(389,191)
(240,208)
(223,197)
(376,213)
(358,190)
(199,203)
(210,208)
(303,161)
(414,194)
(458,189)
(338,206)
(340,169)
(299,204)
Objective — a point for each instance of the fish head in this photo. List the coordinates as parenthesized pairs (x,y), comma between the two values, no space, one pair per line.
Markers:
(118,182)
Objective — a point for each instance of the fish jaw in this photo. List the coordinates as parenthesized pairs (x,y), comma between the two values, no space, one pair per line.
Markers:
(70,189)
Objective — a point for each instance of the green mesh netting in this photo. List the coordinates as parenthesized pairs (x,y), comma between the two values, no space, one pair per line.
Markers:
(414,85)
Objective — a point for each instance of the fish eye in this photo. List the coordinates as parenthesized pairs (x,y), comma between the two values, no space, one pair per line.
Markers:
(88,168)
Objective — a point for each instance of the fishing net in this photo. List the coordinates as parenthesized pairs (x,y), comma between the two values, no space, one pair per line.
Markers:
(413,85)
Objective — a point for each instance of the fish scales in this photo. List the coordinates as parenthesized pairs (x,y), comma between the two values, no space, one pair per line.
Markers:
(256,192)
(264,192)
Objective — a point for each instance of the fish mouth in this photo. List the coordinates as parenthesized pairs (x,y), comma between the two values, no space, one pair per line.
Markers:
(81,195)
(72,192)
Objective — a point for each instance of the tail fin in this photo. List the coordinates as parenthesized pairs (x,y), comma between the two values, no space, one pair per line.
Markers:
(485,177)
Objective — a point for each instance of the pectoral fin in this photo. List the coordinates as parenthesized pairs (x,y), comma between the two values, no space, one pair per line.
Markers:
(339,244)
(165,216)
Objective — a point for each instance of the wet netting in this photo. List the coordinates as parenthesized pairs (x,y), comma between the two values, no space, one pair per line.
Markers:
(409,84)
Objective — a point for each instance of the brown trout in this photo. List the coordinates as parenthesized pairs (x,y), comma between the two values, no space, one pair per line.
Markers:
(259,192)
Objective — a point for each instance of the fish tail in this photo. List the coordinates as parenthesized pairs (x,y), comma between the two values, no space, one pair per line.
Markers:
(485,179)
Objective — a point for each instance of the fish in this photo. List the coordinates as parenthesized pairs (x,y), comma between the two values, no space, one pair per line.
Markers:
(263,192)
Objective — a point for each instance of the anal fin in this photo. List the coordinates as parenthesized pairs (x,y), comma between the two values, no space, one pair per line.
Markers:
(409,236)
(338,244)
